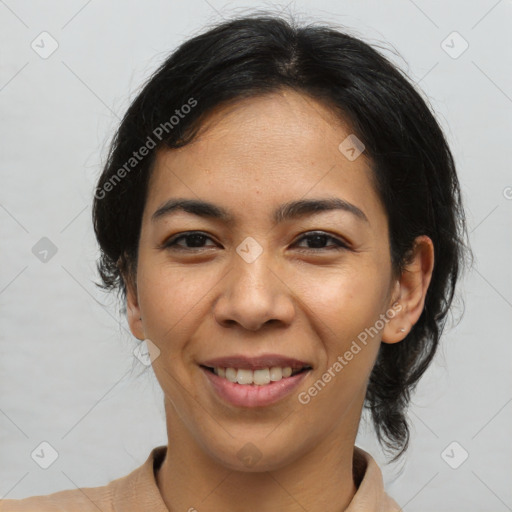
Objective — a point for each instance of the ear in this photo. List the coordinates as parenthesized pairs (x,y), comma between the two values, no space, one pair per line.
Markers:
(410,291)
(133,312)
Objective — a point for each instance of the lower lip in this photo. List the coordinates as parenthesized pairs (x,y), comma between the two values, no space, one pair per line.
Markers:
(252,395)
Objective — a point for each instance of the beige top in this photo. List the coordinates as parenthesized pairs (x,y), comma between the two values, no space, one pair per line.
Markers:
(138,492)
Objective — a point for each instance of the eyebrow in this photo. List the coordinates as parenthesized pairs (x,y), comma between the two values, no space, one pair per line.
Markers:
(286,211)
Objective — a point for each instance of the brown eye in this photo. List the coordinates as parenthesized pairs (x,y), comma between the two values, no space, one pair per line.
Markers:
(193,240)
(318,240)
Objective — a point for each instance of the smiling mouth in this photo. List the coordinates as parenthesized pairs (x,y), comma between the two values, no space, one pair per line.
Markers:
(259,377)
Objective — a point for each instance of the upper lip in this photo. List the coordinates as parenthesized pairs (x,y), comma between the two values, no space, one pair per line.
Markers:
(255,363)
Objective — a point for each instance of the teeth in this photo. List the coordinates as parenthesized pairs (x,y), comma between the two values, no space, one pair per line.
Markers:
(230,374)
(275,373)
(244,376)
(259,377)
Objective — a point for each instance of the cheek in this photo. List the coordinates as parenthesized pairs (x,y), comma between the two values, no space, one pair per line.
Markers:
(169,298)
(346,299)
(345,304)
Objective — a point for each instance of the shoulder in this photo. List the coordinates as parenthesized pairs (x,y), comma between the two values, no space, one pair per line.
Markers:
(84,499)
(371,495)
(121,494)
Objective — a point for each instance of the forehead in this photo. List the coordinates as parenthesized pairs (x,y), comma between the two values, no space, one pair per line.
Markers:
(258,152)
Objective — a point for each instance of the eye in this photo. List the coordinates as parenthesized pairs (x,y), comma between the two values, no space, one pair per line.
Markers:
(197,239)
(318,239)
(193,239)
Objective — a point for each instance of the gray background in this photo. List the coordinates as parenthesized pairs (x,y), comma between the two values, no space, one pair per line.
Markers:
(67,372)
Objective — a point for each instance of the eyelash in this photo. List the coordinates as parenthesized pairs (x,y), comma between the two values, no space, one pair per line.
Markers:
(340,245)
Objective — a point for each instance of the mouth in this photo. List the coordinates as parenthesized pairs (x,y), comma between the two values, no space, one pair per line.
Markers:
(259,371)
(254,382)
(258,377)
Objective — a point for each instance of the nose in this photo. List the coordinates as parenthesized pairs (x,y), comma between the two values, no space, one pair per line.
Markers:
(254,295)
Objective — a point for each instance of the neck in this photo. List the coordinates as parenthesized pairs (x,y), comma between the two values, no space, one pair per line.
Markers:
(320,480)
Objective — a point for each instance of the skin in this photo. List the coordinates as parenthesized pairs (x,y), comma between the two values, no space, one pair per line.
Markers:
(203,302)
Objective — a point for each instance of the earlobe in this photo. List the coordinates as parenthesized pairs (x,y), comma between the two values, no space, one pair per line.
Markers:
(133,313)
(395,329)
(411,290)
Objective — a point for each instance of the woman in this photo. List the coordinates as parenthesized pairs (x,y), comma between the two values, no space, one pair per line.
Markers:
(281,215)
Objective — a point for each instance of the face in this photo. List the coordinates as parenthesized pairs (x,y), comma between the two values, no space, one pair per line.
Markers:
(237,280)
